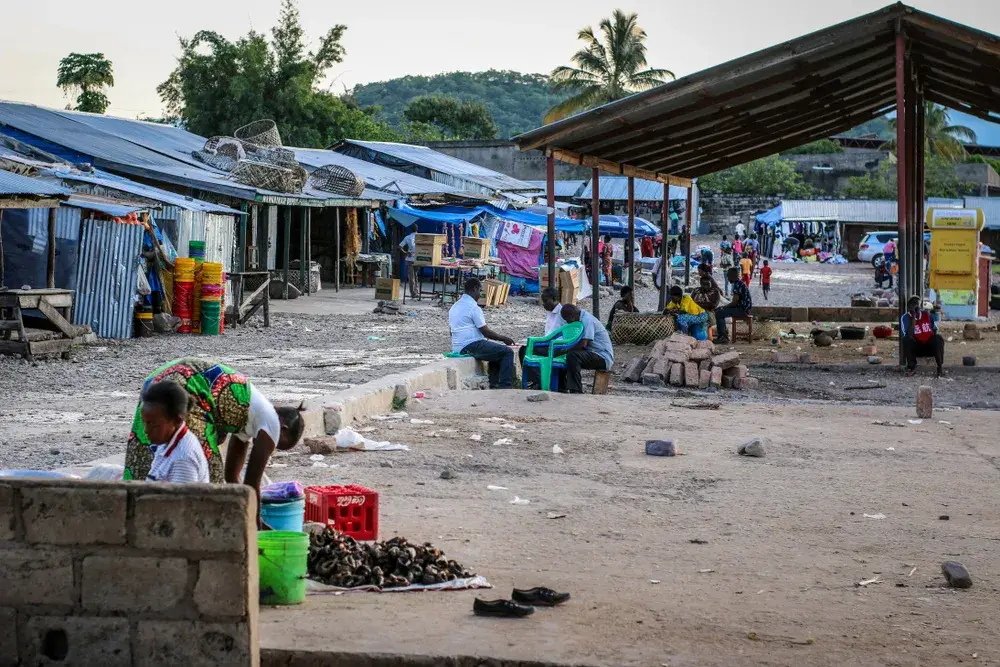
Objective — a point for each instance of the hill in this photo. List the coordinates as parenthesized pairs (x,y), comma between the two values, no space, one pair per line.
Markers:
(516,101)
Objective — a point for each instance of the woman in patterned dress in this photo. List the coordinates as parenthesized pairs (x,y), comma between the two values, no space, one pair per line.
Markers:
(225,403)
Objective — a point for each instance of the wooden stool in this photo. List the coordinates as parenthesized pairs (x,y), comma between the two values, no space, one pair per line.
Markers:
(749,322)
(602,379)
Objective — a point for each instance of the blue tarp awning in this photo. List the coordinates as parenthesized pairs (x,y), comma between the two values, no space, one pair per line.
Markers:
(770,217)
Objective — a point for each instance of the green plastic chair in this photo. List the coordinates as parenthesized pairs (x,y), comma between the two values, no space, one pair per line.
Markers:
(455,355)
(558,343)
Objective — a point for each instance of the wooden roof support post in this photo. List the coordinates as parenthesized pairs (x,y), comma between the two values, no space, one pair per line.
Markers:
(336,248)
(919,131)
(309,243)
(550,202)
(50,273)
(664,260)
(241,240)
(595,237)
(1,248)
(303,258)
(686,245)
(902,172)
(630,248)
(288,247)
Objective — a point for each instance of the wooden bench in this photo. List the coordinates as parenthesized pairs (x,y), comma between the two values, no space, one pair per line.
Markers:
(745,319)
(54,304)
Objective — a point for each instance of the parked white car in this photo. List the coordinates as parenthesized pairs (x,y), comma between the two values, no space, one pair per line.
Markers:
(873,245)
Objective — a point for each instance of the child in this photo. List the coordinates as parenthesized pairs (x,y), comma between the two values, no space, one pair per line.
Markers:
(179,456)
(746,268)
(765,279)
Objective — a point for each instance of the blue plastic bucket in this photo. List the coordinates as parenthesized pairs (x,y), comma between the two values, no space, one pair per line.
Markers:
(284,516)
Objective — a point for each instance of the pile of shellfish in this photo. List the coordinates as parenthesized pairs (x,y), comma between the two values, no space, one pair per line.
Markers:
(339,560)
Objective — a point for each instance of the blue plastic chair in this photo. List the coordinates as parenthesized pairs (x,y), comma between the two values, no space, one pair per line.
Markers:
(556,345)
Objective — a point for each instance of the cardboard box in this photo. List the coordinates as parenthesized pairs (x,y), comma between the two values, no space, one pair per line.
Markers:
(475,248)
(386,289)
(569,278)
(567,295)
(430,239)
(428,254)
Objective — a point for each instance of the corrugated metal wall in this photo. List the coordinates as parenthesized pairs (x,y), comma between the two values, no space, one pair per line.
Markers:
(220,239)
(272,236)
(107,277)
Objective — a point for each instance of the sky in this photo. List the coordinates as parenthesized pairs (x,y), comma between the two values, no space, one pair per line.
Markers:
(393,38)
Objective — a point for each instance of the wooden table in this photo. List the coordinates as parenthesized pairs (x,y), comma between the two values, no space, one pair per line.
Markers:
(251,292)
(54,304)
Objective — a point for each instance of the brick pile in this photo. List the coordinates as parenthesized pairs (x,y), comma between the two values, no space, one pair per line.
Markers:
(125,574)
(682,361)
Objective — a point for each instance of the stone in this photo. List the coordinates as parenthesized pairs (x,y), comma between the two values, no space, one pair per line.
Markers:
(452,379)
(662,368)
(755,447)
(540,397)
(874,360)
(652,380)
(325,445)
(121,583)
(8,638)
(660,448)
(675,346)
(198,522)
(925,402)
(749,383)
(35,575)
(677,375)
(968,361)
(700,354)
(705,345)
(705,365)
(778,357)
(633,369)
(716,379)
(400,394)
(727,381)
(691,341)
(727,360)
(691,374)
(956,575)
(971,332)
(448,473)
(704,378)
(385,464)
(277,290)
(333,419)
(805,358)
(74,640)
(659,349)
(195,644)
(823,340)
(8,517)
(54,515)
(869,351)
(677,357)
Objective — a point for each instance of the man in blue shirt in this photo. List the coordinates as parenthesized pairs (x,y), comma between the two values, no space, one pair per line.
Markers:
(739,306)
(469,335)
(593,352)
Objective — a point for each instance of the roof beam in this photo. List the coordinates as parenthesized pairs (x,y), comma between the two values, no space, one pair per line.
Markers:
(975,99)
(977,39)
(617,169)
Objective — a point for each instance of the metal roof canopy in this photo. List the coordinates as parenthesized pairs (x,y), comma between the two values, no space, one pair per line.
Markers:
(785,96)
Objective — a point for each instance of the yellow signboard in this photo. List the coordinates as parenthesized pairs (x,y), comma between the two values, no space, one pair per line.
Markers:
(951,218)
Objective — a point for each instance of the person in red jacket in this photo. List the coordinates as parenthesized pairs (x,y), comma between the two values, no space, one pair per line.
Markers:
(919,336)
(765,279)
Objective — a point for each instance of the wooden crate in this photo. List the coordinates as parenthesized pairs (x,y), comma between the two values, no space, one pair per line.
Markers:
(430,239)
(475,248)
(428,254)
(386,289)
(488,295)
(497,292)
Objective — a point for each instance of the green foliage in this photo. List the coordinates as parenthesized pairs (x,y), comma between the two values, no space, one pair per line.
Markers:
(877,127)
(821,147)
(220,85)
(940,180)
(456,119)
(769,176)
(879,184)
(87,75)
(941,138)
(607,68)
(982,159)
(517,102)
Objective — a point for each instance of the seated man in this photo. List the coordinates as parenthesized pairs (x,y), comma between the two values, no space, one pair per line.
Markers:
(740,305)
(919,336)
(593,352)
(626,304)
(553,321)
(469,333)
(687,314)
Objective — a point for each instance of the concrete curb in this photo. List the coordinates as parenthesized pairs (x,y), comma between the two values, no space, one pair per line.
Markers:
(287,658)
(325,415)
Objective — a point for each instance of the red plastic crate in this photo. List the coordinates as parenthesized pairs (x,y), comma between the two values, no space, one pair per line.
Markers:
(350,509)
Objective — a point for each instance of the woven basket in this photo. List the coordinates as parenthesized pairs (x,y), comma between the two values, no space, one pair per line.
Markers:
(337,179)
(260,132)
(641,328)
(220,162)
(265,176)
(276,155)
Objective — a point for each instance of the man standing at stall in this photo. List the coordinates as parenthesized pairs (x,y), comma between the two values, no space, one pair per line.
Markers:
(409,246)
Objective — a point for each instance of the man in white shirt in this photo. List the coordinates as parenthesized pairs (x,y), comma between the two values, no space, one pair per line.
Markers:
(178,456)
(594,352)
(553,321)
(409,246)
(469,335)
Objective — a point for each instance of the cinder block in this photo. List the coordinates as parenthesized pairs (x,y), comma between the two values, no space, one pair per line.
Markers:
(691,374)
(683,338)
(742,370)
(195,644)
(704,365)
(8,637)
(727,360)
(121,583)
(222,588)
(652,380)
(716,379)
(633,369)
(749,383)
(704,378)
(35,576)
(799,314)
(677,356)
(805,358)
(784,357)
(706,345)
(925,402)
(88,515)
(700,354)
(659,349)
(677,374)
(8,517)
(103,642)
(193,522)
(452,376)
(869,351)
(662,368)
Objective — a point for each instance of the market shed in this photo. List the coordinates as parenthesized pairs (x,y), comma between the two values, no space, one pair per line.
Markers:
(894,59)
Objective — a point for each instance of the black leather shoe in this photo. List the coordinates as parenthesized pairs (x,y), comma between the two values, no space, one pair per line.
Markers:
(502,608)
(539,597)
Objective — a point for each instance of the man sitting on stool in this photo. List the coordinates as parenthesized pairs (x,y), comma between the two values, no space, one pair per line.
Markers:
(593,352)
(469,333)
(919,336)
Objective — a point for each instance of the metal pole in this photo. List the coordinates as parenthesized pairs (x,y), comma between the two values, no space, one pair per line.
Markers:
(288,247)
(50,274)
(1,248)
(550,200)
(595,236)
(241,242)
(309,244)
(686,246)
(336,245)
(902,172)
(919,130)
(664,221)
(630,250)
(302,252)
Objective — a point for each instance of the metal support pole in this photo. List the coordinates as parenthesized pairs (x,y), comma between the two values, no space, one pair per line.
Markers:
(1,248)
(309,243)
(550,201)
(919,130)
(303,267)
(336,245)
(50,274)
(595,236)
(288,247)
(902,173)
(630,249)
(686,246)
(664,260)
(241,241)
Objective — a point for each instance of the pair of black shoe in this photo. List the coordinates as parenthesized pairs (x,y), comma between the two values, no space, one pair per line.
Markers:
(521,604)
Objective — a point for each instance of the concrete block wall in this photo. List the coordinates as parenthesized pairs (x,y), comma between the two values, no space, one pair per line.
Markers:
(118,574)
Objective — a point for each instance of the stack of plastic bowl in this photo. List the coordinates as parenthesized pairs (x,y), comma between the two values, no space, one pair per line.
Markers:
(196,250)
(211,298)
(184,293)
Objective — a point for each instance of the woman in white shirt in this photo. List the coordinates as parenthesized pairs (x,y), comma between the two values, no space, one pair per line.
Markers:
(178,456)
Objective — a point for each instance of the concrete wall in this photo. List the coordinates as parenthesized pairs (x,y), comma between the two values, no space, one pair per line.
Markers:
(829,173)
(503,156)
(127,574)
(721,213)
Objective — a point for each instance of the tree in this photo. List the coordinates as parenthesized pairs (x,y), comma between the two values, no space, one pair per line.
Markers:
(940,136)
(606,70)
(220,85)
(940,180)
(769,176)
(820,147)
(458,120)
(86,75)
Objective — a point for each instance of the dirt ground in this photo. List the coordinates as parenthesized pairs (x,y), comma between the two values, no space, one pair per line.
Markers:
(785,537)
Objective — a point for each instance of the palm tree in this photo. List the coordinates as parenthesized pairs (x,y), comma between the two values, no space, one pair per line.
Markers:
(940,137)
(606,69)
(90,74)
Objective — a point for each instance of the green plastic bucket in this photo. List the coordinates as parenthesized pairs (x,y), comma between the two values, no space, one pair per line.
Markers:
(282,560)
(211,317)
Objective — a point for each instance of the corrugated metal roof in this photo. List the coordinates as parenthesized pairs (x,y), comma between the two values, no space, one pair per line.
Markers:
(563,188)
(468,177)
(615,188)
(15,184)
(114,209)
(389,181)
(990,207)
(852,210)
(104,179)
